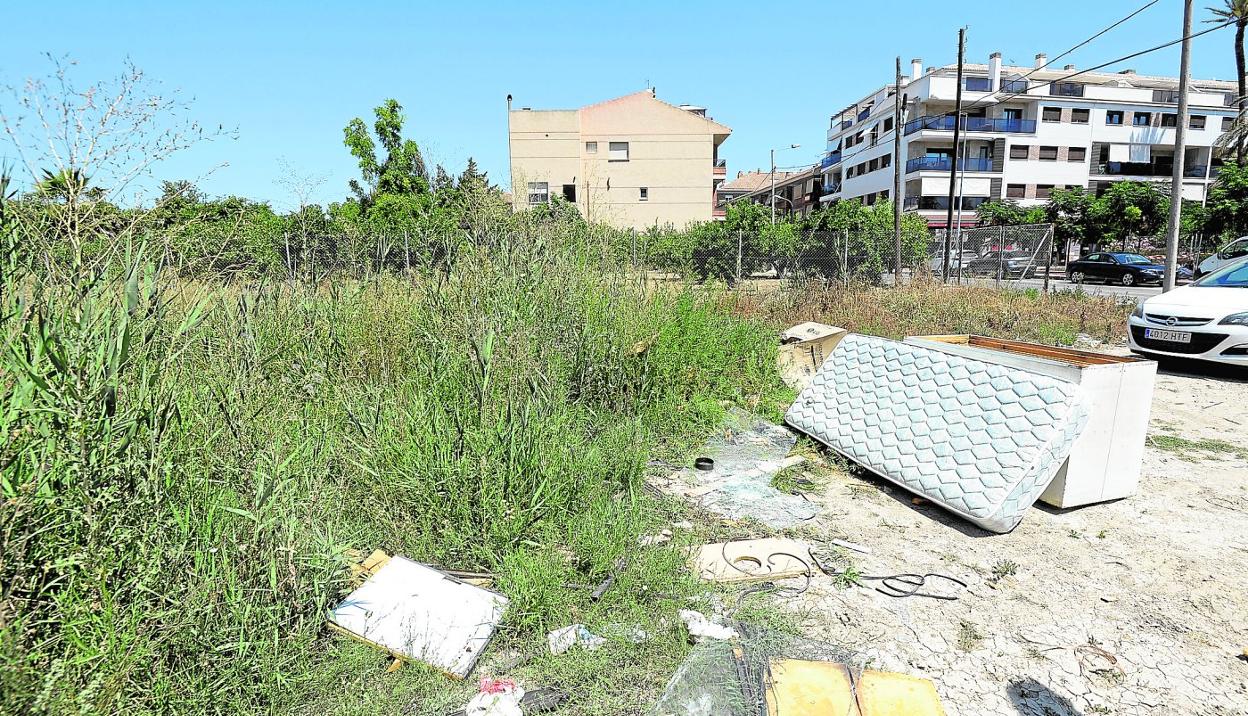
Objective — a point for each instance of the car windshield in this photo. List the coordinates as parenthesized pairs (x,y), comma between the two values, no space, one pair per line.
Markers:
(1232,276)
(1132,259)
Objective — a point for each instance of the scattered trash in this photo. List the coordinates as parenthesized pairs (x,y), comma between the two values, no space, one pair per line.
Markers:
(661,538)
(850,545)
(803,349)
(918,501)
(747,452)
(704,464)
(752,560)
(418,613)
(530,702)
(981,440)
(497,697)
(601,589)
(702,628)
(564,638)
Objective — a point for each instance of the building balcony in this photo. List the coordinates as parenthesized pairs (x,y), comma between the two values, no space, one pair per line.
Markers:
(1147,169)
(941,203)
(830,160)
(720,168)
(944,164)
(973,124)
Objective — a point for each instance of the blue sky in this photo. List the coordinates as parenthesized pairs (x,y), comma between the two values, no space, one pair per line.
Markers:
(289,75)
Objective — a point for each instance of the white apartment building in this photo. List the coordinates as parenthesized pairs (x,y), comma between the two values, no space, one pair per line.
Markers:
(1026,131)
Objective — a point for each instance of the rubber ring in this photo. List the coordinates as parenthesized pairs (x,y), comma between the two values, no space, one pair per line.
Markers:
(704,463)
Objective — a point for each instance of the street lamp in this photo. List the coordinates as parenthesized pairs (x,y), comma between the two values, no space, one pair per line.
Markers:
(773,180)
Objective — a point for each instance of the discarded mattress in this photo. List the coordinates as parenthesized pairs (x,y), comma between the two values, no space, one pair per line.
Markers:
(981,440)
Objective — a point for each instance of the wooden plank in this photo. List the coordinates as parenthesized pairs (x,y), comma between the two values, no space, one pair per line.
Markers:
(810,688)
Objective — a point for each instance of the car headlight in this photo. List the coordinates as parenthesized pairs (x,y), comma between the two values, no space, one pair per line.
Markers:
(1235,319)
(1139,310)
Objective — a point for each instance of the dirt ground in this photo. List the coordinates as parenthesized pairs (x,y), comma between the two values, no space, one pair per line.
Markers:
(1131,607)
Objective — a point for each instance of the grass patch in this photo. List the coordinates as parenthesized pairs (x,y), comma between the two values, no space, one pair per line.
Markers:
(184,465)
(969,636)
(1184,447)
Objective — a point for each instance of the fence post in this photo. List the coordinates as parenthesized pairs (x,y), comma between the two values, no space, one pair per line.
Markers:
(1048,265)
(740,245)
(1000,256)
(845,262)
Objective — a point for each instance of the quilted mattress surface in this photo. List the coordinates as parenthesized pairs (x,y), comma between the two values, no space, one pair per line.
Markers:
(980,439)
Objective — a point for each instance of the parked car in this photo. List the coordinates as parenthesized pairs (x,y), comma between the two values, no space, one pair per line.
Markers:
(1232,251)
(1207,319)
(937,264)
(1011,264)
(1126,269)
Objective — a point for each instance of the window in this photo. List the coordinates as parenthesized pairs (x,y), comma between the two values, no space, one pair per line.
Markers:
(591,147)
(1066,89)
(1077,154)
(1141,119)
(1048,154)
(1197,121)
(1052,114)
(888,123)
(1226,124)
(1015,191)
(1014,86)
(1169,120)
(1113,116)
(619,151)
(644,194)
(1079,116)
(539,193)
(1044,191)
(886,161)
(978,84)
(1018,151)
(569,193)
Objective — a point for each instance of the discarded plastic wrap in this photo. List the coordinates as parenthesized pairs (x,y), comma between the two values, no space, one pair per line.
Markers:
(979,439)
(748,451)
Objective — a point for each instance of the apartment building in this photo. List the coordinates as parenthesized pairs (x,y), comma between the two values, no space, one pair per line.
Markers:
(631,162)
(796,194)
(1026,132)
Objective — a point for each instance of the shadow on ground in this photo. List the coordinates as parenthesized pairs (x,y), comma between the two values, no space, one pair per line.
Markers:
(1032,698)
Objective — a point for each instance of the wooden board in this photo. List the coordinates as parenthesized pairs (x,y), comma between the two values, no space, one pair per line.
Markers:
(1064,355)
(883,693)
(820,688)
(751,560)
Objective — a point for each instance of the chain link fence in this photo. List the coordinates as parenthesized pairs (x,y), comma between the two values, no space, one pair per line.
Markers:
(1000,253)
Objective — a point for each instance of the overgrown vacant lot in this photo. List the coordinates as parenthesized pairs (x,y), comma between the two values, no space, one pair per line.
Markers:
(186,464)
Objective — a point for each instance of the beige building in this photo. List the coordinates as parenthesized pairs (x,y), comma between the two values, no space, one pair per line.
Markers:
(631,162)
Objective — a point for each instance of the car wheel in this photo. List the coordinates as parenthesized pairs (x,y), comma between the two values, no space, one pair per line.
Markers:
(1128,279)
(1076,277)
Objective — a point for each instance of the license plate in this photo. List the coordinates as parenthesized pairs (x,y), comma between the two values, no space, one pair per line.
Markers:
(1171,336)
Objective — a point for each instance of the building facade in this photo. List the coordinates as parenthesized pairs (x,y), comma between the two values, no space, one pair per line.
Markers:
(631,162)
(796,193)
(1025,133)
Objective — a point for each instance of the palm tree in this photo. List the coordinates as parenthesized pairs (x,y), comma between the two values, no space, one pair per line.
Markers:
(1236,11)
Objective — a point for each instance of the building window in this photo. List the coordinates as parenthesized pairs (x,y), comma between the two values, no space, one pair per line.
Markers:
(1079,116)
(1018,151)
(1015,191)
(888,123)
(1169,120)
(1048,154)
(1044,191)
(1066,89)
(539,193)
(1052,114)
(886,161)
(619,151)
(569,193)
(1226,124)
(1141,119)
(978,84)
(644,194)
(1197,121)
(1113,116)
(1077,154)
(591,147)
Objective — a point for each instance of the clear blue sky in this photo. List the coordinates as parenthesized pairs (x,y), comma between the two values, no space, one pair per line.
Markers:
(289,75)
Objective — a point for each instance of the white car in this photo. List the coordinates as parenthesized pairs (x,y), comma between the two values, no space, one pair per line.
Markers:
(1207,319)
(937,264)
(1237,249)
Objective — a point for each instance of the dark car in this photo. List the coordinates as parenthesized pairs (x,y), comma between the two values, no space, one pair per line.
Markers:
(1011,264)
(1125,269)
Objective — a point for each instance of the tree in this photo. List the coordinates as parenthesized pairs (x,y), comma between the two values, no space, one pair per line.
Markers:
(1227,205)
(400,171)
(1236,11)
(1131,209)
(1071,211)
(1007,213)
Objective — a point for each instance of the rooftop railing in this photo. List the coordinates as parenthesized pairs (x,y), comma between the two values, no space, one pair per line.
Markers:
(973,124)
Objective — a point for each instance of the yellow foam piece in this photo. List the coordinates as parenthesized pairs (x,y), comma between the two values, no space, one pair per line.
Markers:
(818,688)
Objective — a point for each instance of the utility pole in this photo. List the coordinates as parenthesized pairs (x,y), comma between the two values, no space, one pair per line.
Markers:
(953,165)
(773,187)
(897,100)
(1180,136)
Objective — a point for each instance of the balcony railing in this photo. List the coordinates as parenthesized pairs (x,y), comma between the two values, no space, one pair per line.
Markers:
(1148,169)
(970,164)
(831,189)
(864,114)
(830,160)
(941,203)
(973,124)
